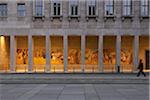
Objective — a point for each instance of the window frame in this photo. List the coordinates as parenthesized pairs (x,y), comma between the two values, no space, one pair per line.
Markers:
(127,8)
(3,9)
(74,8)
(144,6)
(52,13)
(19,11)
(93,5)
(34,9)
(109,6)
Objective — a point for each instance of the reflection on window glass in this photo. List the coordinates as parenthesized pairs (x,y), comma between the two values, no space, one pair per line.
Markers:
(144,7)
(109,7)
(3,10)
(21,9)
(127,7)
(39,7)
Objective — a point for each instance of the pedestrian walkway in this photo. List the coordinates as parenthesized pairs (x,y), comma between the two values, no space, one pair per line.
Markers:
(77,78)
(74,92)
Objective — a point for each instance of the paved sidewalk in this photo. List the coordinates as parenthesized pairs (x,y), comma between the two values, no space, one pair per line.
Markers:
(74,92)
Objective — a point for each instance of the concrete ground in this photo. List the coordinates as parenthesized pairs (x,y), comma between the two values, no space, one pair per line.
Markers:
(74,92)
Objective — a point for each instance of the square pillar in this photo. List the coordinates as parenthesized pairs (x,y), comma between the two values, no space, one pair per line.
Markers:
(65,40)
(12,53)
(48,58)
(30,53)
(118,52)
(136,52)
(100,53)
(83,52)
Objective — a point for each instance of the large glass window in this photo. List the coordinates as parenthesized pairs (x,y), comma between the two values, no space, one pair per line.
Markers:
(38,7)
(127,7)
(144,8)
(3,10)
(74,7)
(21,9)
(56,8)
(91,7)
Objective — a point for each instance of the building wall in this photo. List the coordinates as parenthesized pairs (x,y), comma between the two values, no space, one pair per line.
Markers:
(24,26)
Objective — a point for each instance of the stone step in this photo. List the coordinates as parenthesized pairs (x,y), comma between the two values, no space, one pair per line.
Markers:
(73,78)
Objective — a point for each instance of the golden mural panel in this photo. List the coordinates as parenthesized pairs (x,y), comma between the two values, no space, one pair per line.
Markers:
(91,56)
(22,56)
(57,56)
(74,56)
(39,56)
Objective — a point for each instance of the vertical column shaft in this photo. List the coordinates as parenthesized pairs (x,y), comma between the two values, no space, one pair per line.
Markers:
(12,53)
(30,53)
(136,51)
(48,58)
(118,51)
(83,52)
(100,53)
(65,40)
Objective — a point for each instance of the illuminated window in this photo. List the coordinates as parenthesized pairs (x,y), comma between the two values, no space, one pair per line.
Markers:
(21,9)
(144,8)
(109,7)
(91,7)
(3,10)
(127,7)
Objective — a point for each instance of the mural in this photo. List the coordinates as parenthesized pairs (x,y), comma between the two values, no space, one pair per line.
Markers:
(109,56)
(126,56)
(57,56)
(22,56)
(74,56)
(91,56)
(39,56)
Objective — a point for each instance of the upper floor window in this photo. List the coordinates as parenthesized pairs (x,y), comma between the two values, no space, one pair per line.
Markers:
(38,7)
(3,10)
(109,7)
(56,8)
(91,7)
(21,9)
(73,7)
(144,8)
(127,7)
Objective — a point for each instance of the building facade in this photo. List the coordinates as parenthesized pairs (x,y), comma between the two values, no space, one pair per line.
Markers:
(74,35)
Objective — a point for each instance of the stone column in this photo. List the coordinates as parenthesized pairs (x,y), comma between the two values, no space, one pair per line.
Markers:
(83,52)
(48,58)
(12,53)
(136,51)
(118,52)
(65,40)
(100,53)
(30,53)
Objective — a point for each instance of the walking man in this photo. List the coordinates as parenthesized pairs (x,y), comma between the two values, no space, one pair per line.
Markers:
(140,67)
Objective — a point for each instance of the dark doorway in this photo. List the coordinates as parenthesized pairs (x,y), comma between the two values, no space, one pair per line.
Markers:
(147,56)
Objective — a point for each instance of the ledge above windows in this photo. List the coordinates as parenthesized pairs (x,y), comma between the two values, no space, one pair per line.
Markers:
(106,17)
(124,17)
